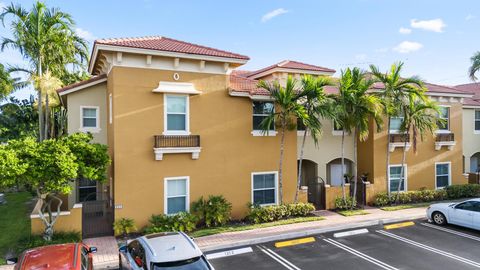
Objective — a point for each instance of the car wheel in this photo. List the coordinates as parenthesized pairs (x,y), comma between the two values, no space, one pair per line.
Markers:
(439,218)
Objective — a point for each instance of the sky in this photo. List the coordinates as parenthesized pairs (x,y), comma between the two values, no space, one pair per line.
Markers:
(435,38)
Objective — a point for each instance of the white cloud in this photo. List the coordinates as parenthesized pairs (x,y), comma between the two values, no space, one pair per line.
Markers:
(274,13)
(470,17)
(404,30)
(408,47)
(435,25)
(85,34)
(361,57)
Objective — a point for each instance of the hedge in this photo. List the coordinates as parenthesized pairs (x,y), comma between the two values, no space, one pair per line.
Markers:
(271,213)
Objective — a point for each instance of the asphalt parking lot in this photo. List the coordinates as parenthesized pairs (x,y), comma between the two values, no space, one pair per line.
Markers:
(417,245)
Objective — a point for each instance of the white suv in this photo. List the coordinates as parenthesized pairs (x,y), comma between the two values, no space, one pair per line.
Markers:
(172,250)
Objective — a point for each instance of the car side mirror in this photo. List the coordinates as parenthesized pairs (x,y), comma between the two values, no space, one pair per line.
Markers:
(138,261)
(12,261)
(92,250)
(123,249)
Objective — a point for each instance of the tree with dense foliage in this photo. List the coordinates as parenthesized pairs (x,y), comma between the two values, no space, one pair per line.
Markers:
(18,119)
(46,38)
(318,105)
(51,165)
(395,91)
(475,67)
(420,118)
(353,109)
(287,110)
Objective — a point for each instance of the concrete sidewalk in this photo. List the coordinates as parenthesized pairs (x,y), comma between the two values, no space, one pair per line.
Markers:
(332,222)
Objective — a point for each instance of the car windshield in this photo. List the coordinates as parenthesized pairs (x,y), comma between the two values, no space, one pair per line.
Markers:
(197,263)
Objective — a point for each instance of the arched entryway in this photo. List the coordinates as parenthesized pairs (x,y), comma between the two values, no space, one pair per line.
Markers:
(475,162)
(335,172)
(316,186)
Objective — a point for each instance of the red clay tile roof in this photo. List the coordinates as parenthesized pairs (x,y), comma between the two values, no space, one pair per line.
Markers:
(159,43)
(473,88)
(241,84)
(292,65)
(73,85)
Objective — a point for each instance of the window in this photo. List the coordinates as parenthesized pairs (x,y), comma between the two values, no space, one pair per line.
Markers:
(395,176)
(396,123)
(445,116)
(176,111)
(468,206)
(87,190)
(477,120)
(476,206)
(337,127)
(264,188)
(442,174)
(261,110)
(89,118)
(176,195)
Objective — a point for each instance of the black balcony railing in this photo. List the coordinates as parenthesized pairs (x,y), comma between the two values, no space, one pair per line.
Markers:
(399,138)
(167,141)
(446,137)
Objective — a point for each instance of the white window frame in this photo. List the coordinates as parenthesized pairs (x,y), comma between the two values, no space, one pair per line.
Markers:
(440,131)
(338,132)
(95,129)
(276,187)
(405,173)
(449,173)
(395,131)
(165,193)
(187,116)
(475,131)
(259,132)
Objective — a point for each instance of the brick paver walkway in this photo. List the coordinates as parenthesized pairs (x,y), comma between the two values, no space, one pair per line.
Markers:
(332,220)
(107,252)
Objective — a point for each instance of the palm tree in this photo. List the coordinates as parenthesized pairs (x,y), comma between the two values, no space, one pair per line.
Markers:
(395,91)
(355,108)
(8,84)
(47,40)
(420,117)
(287,108)
(475,67)
(317,105)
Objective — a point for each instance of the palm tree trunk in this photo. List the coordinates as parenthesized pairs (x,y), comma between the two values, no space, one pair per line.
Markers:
(343,168)
(299,179)
(355,177)
(280,170)
(401,169)
(388,156)
(40,105)
(47,116)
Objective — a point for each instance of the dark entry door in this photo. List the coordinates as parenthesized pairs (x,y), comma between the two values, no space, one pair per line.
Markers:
(316,192)
(97,218)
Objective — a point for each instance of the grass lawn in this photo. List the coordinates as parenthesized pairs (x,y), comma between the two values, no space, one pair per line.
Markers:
(405,206)
(348,213)
(14,222)
(240,227)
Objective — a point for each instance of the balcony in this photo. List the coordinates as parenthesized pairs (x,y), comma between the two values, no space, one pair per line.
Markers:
(398,140)
(176,144)
(444,139)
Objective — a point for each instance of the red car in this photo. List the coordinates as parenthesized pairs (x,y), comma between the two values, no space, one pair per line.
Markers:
(75,256)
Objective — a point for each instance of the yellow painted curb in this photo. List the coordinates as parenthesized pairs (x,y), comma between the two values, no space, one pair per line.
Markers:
(398,225)
(294,242)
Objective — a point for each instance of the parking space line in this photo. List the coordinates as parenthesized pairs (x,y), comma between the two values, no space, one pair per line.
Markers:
(228,253)
(360,254)
(432,249)
(278,258)
(466,235)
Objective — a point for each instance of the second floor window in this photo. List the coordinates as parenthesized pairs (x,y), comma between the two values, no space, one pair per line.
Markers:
(477,120)
(89,119)
(444,114)
(176,110)
(396,123)
(261,110)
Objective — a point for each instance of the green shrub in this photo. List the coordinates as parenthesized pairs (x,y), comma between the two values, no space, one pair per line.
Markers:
(259,214)
(341,204)
(124,226)
(417,196)
(463,191)
(212,212)
(34,241)
(183,221)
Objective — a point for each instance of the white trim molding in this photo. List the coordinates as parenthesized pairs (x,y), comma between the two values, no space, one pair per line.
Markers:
(276,186)
(392,146)
(83,86)
(449,173)
(165,192)
(176,88)
(261,133)
(195,151)
(450,145)
(95,129)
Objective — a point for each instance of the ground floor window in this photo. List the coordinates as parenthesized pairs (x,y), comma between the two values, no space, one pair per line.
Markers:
(176,195)
(264,188)
(395,176)
(87,190)
(442,174)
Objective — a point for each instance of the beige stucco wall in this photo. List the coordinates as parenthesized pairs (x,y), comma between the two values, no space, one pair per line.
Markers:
(92,96)
(329,148)
(228,156)
(471,139)
(69,221)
